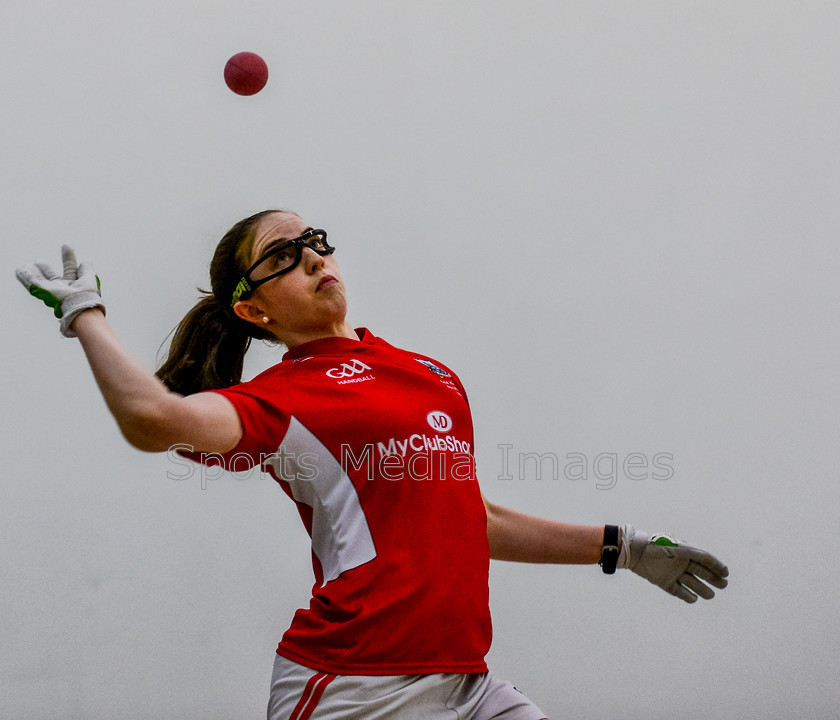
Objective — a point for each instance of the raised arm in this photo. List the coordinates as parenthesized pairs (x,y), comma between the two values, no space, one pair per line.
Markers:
(150,416)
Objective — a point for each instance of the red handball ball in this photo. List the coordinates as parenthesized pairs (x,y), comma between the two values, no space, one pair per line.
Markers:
(246,73)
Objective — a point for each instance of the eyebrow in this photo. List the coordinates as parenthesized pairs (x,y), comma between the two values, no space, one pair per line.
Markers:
(273,244)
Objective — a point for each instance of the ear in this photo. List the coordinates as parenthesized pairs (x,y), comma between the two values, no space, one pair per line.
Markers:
(249,311)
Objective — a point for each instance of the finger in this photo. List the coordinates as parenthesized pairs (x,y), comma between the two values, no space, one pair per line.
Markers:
(696,586)
(682,593)
(703,558)
(26,275)
(68,258)
(85,268)
(704,573)
(46,271)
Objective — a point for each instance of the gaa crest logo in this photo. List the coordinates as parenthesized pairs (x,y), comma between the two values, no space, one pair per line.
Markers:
(346,370)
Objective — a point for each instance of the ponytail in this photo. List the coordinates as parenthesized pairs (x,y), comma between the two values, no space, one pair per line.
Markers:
(207,349)
(208,346)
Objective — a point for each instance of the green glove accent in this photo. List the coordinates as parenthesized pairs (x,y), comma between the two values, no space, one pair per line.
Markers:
(48,298)
(664,541)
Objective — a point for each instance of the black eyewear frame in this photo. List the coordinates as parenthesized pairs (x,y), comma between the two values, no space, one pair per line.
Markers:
(246,285)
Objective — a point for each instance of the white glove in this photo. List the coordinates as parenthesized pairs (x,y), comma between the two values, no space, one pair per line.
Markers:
(671,564)
(69,294)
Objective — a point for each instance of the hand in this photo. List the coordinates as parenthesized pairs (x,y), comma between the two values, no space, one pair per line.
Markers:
(677,568)
(69,294)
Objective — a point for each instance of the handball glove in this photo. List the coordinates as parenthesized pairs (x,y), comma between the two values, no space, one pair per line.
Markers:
(76,290)
(677,568)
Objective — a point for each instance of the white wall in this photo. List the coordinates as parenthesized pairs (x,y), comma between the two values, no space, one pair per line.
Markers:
(617,221)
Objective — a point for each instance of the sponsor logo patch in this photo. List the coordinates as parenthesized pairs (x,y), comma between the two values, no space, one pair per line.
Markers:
(439,421)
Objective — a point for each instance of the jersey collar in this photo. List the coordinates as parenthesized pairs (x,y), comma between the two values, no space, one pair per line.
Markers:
(330,346)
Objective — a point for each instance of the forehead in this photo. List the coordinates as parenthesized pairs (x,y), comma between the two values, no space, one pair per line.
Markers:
(277,226)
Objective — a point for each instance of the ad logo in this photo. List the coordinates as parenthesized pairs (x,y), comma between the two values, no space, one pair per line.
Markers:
(354,367)
(439,421)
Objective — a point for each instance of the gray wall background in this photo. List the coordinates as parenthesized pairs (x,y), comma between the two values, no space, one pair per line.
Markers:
(616,221)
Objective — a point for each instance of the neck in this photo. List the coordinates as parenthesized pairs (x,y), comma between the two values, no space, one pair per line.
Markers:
(343,329)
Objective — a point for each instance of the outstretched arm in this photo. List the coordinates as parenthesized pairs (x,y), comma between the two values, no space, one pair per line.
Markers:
(524,538)
(681,570)
(150,416)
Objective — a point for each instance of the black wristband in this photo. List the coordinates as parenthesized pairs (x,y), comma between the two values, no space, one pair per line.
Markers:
(609,555)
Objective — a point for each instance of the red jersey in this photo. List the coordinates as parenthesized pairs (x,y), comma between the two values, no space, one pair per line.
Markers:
(375,446)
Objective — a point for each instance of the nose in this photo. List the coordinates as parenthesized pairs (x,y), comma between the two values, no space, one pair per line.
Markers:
(311,260)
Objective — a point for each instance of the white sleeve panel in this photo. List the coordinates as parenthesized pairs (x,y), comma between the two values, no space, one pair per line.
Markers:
(341,537)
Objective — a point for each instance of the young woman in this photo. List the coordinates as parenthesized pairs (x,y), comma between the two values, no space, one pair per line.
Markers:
(374,445)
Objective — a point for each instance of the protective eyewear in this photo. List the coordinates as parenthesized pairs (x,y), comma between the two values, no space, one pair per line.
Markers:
(281,257)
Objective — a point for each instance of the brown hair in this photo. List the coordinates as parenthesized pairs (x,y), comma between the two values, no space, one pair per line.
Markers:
(208,346)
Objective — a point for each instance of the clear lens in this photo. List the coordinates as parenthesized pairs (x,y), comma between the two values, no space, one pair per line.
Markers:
(317,242)
(277,260)
(285,256)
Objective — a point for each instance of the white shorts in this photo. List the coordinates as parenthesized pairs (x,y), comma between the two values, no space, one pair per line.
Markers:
(300,693)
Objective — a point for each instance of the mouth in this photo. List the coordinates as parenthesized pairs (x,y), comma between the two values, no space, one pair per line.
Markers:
(326,281)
